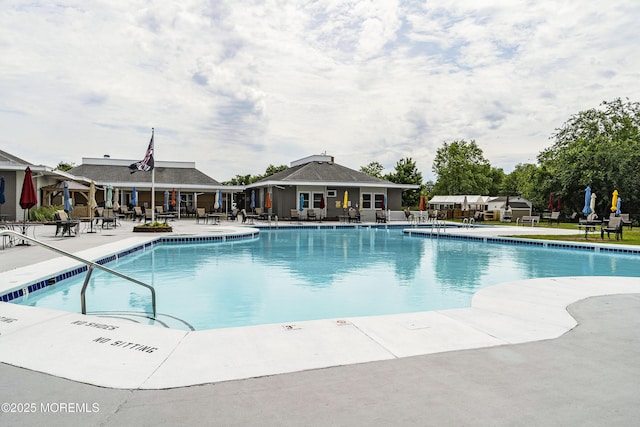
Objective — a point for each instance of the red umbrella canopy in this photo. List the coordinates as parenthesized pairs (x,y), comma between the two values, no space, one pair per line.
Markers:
(267,203)
(28,197)
(550,202)
(322,205)
(558,203)
(423,207)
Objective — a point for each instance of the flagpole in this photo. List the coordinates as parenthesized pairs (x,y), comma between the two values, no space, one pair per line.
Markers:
(153,183)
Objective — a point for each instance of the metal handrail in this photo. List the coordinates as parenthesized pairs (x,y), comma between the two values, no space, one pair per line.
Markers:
(91,265)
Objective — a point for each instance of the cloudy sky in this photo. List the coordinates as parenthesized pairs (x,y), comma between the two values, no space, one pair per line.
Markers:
(237,85)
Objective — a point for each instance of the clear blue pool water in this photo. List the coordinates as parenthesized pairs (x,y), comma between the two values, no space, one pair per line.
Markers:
(295,275)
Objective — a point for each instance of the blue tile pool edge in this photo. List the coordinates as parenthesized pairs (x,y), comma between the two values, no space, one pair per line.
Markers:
(592,247)
(35,286)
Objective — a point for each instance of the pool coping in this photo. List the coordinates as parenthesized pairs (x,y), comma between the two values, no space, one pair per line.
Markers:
(116,353)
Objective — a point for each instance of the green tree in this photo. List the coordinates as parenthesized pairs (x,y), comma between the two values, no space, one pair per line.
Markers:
(406,172)
(64,166)
(599,148)
(528,180)
(497,176)
(461,168)
(373,169)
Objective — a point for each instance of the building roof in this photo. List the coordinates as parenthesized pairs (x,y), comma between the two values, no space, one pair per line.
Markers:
(321,170)
(116,172)
(6,158)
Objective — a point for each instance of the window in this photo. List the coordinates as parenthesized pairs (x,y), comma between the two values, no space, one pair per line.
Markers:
(317,197)
(379,201)
(305,204)
(331,193)
(366,201)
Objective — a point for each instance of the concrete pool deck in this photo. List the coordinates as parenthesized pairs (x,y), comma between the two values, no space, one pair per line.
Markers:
(362,352)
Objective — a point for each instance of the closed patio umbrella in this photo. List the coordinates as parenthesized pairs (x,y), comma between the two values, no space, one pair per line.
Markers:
(108,203)
(92,204)
(558,208)
(116,199)
(301,207)
(345,200)
(2,198)
(550,207)
(253,200)
(134,196)
(614,201)
(173,198)
(28,198)
(67,199)
(618,205)
(592,205)
(587,199)
(216,204)
(322,205)
(166,200)
(423,206)
(267,203)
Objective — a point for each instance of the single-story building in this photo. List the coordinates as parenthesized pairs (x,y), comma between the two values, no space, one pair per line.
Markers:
(496,206)
(317,182)
(457,206)
(493,208)
(193,188)
(13,170)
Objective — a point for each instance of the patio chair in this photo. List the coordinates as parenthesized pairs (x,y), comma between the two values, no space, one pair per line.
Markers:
(626,220)
(554,217)
(137,213)
(108,218)
(295,215)
(201,214)
(380,217)
(354,215)
(614,225)
(311,215)
(65,224)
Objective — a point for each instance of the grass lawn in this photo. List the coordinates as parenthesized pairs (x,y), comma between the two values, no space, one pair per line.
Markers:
(629,237)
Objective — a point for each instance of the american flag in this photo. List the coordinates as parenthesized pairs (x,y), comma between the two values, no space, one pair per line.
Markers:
(145,164)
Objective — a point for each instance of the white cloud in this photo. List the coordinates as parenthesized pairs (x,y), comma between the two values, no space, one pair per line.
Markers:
(236,86)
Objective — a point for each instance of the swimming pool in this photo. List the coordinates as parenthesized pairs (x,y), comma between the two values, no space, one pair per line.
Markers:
(294,275)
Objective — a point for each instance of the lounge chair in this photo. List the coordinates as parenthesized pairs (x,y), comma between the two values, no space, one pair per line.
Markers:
(614,225)
(295,216)
(311,215)
(554,217)
(380,216)
(478,216)
(65,224)
(137,213)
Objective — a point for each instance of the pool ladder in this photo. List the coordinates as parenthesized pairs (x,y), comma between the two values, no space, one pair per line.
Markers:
(90,266)
(468,223)
(437,226)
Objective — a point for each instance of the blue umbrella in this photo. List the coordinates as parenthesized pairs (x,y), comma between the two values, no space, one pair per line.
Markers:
(301,203)
(618,204)
(587,199)
(134,196)
(67,199)
(166,200)
(253,199)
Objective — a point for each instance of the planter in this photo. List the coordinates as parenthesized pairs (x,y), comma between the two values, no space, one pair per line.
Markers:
(139,229)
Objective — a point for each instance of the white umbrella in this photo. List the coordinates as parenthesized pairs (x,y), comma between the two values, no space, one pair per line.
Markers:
(116,198)
(592,205)
(92,203)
